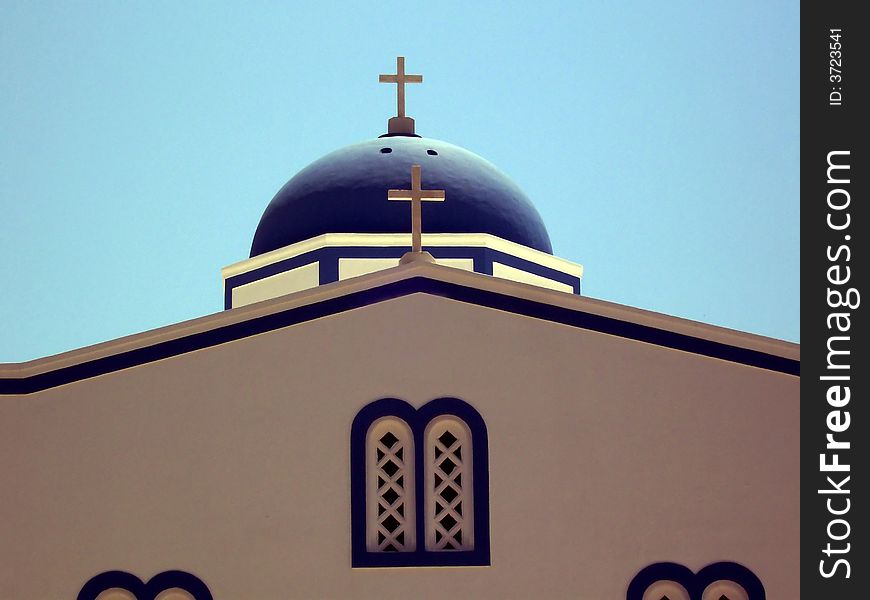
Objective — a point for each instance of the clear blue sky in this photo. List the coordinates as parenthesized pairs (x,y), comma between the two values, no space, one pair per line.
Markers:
(140,143)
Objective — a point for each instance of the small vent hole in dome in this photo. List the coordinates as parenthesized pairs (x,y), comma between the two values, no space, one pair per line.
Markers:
(431,153)
(386,150)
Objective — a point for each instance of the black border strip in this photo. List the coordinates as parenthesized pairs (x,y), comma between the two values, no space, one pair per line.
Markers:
(521,306)
(835,62)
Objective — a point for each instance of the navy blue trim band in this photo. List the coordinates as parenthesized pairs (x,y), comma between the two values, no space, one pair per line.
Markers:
(328,263)
(292,316)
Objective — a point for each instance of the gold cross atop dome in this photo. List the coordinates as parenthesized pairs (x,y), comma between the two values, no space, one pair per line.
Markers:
(416,195)
(400,124)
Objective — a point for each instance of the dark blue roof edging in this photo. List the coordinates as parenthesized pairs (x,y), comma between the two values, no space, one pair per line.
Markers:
(435,287)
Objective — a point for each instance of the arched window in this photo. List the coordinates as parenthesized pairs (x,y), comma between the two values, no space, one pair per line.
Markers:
(724,589)
(716,581)
(116,594)
(419,485)
(666,590)
(174,594)
(390,506)
(168,585)
(449,509)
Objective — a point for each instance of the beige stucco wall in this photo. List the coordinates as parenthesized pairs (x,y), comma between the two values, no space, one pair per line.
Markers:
(232,462)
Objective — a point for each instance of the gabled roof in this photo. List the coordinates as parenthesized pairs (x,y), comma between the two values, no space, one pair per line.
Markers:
(412,278)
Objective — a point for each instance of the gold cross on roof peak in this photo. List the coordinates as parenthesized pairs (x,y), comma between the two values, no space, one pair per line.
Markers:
(417,195)
(400,123)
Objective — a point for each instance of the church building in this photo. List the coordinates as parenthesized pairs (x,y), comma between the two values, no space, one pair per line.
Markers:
(406,396)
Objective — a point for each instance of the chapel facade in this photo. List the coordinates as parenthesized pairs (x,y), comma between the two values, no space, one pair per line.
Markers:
(385,414)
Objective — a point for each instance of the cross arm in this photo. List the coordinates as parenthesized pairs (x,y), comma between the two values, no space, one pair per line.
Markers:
(432,195)
(399,195)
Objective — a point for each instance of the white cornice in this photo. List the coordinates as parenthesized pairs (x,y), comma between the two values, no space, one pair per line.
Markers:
(374,240)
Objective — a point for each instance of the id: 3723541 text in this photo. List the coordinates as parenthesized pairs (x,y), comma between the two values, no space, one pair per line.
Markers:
(835,67)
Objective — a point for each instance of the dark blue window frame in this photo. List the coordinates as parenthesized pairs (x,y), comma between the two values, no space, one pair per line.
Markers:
(166,580)
(417,420)
(695,583)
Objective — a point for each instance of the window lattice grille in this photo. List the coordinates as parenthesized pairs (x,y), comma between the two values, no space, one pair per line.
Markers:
(392,521)
(449,499)
(391,513)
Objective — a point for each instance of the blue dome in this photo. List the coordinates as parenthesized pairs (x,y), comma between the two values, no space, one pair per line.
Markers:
(346,192)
